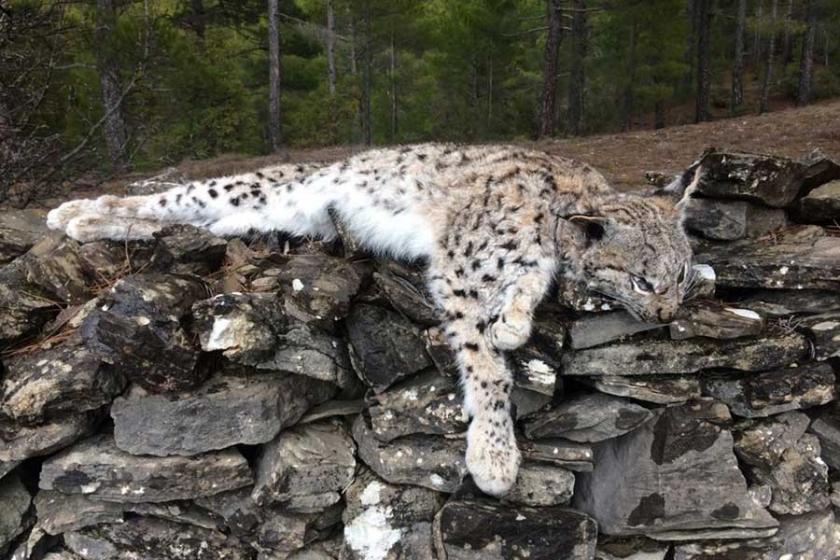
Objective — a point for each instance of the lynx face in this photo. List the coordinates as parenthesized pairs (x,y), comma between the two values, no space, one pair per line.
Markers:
(638,255)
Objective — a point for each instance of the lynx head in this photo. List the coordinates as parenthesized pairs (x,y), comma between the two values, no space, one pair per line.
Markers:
(634,251)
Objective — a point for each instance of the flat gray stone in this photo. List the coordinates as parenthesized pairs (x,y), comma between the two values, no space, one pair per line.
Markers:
(682,443)
(821,205)
(67,378)
(306,467)
(799,258)
(714,320)
(59,513)
(812,536)
(432,462)
(96,467)
(630,548)
(542,485)
(283,533)
(238,511)
(761,443)
(727,220)
(188,249)
(596,329)
(659,390)
(15,500)
(385,346)
(774,181)
(252,329)
(19,231)
(650,356)
(749,549)
(428,403)
(388,521)
(781,303)
(154,539)
(587,418)
(226,410)
(7,466)
(18,442)
(480,530)
(826,426)
(773,392)
(824,331)
(405,290)
(55,264)
(26,307)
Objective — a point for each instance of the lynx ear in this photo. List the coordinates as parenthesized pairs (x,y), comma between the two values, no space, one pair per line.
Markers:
(690,189)
(592,227)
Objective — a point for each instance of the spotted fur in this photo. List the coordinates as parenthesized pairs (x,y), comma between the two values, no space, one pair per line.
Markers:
(495,223)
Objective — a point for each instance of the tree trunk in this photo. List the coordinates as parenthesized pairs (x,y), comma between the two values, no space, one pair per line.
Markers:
(577,76)
(690,55)
(367,132)
(787,38)
(353,40)
(806,61)
(659,114)
(704,20)
(489,93)
(631,79)
(764,104)
(114,128)
(759,17)
(393,80)
(198,18)
(274,129)
(547,124)
(331,47)
(738,59)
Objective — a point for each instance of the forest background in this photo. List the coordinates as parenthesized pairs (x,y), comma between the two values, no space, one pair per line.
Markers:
(99,87)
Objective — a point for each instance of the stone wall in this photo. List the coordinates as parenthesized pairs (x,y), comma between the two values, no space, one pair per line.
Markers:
(193,397)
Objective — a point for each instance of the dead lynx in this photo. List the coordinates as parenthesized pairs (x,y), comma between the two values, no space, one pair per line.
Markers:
(495,223)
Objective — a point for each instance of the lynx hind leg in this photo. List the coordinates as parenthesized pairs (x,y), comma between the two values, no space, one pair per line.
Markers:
(59,217)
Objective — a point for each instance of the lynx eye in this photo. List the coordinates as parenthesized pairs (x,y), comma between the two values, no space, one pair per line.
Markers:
(640,285)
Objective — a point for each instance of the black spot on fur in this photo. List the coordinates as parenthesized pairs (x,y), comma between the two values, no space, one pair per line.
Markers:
(234,201)
(162,201)
(472,346)
(213,193)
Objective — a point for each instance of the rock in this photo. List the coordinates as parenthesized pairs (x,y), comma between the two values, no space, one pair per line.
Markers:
(651,356)
(385,346)
(819,169)
(226,410)
(575,296)
(781,303)
(405,290)
(333,409)
(467,530)
(727,220)
(597,329)
(306,467)
(542,485)
(824,333)
(821,205)
(35,546)
(432,462)
(282,533)
(659,390)
(138,326)
(826,426)
(588,418)
(26,307)
(813,536)
(714,320)
(55,265)
(318,289)
(96,467)
(18,442)
(799,258)
(774,181)
(425,404)
(182,248)
(630,548)
(799,482)
(761,443)
(19,231)
(59,513)
(154,539)
(682,443)
(7,466)
(252,329)
(67,378)
(773,392)
(239,513)
(560,452)
(387,521)
(750,549)
(15,500)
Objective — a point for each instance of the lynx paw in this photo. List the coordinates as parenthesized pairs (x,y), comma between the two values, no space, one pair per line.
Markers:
(58,218)
(94,227)
(510,331)
(492,456)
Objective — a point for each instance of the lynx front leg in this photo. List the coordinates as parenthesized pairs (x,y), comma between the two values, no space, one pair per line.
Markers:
(512,328)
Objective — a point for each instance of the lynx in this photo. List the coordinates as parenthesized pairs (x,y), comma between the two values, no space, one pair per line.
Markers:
(496,225)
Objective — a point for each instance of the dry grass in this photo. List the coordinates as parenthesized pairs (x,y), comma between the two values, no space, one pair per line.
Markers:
(623,157)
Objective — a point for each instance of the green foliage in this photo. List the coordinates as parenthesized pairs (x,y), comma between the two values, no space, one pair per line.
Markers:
(466,70)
